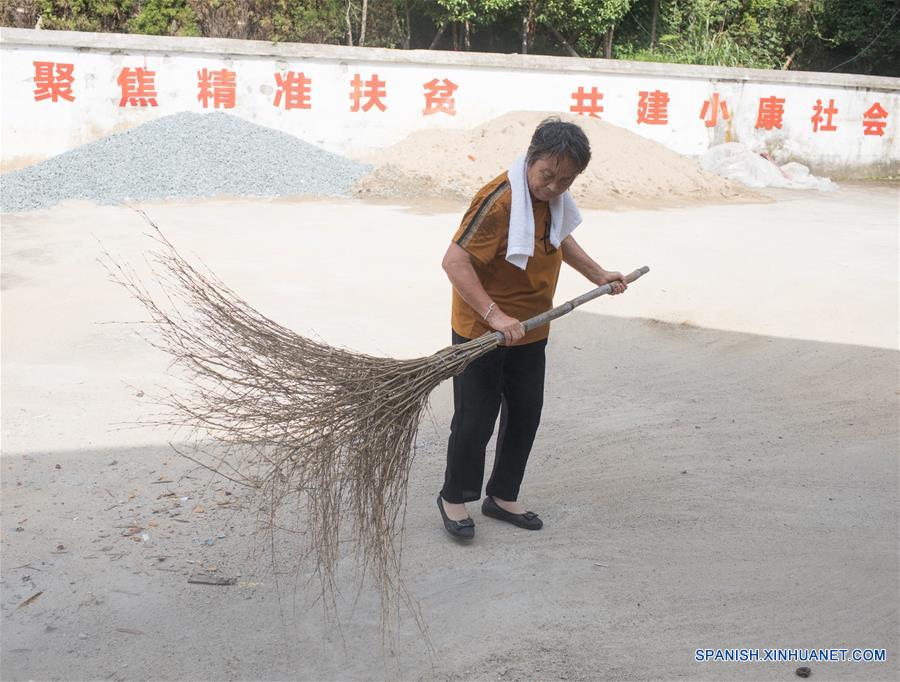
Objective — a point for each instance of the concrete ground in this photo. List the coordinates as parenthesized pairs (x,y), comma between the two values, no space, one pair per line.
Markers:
(717,464)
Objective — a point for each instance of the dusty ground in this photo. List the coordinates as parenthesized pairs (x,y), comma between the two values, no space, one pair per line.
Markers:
(717,465)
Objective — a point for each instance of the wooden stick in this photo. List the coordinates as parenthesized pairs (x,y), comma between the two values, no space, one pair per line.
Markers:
(569,306)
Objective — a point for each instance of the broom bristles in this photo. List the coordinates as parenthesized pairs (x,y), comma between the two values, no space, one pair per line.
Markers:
(297,420)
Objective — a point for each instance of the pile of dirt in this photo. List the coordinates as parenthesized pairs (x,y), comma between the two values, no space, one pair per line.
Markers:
(625,168)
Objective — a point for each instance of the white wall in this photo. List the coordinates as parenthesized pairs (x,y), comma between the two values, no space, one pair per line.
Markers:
(488,85)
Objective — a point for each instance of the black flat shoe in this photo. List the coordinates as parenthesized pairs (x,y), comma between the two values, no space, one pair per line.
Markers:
(464,530)
(529,520)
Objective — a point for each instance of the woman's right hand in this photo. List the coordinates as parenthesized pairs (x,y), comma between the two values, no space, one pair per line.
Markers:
(511,328)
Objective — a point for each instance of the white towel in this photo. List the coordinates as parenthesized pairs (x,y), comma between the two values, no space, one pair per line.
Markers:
(564,217)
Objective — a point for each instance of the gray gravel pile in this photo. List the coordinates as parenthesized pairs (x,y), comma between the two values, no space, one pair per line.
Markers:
(184,155)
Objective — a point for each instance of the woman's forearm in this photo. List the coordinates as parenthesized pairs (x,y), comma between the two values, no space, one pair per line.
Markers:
(458,266)
(578,259)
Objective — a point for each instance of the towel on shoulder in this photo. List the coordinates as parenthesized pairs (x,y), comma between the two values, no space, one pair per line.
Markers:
(564,217)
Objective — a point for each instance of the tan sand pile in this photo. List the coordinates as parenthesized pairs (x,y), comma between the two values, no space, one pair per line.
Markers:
(625,168)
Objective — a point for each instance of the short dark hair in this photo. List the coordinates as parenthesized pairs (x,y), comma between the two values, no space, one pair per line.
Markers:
(554,137)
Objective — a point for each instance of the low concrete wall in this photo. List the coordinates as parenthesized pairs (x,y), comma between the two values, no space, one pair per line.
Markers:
(62,89)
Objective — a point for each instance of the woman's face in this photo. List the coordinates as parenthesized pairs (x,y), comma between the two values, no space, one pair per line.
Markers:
(550,176)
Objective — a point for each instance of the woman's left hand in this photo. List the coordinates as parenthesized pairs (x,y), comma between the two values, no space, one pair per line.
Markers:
(616,280)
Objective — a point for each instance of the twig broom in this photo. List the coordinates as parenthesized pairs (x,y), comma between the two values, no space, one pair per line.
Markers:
(299,421)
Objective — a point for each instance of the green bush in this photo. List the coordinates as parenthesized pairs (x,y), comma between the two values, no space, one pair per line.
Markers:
(164,18)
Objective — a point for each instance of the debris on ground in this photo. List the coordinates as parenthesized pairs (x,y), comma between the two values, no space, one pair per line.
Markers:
(738,162)
(202,579)
(31,599)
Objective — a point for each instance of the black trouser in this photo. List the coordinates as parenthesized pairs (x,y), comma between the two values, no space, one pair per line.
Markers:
(508,380)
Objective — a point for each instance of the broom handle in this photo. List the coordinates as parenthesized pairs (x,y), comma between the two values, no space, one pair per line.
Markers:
(569,306)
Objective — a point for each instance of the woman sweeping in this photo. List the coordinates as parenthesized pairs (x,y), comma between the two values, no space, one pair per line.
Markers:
(504,263)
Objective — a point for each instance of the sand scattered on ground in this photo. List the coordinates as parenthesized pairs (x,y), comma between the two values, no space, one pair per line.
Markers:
(625,168)
(717,453)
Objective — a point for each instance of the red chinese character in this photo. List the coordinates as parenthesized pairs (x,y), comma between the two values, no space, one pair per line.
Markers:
(53,85)
(219,85)
(138,87)
(770,113)
(871,123)
(438,97)
(817,118)
(373,92)
(653,108)
(711,108)
(587,102)
(295,88)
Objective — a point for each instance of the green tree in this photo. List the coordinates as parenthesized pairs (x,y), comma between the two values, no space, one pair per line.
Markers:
(748,33)
(463,17)
(19,13)
(164,17)
(591,24)
(306,21)
(859,36)
(86,15)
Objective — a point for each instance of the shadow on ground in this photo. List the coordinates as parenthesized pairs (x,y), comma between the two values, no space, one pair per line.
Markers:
(699,488)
